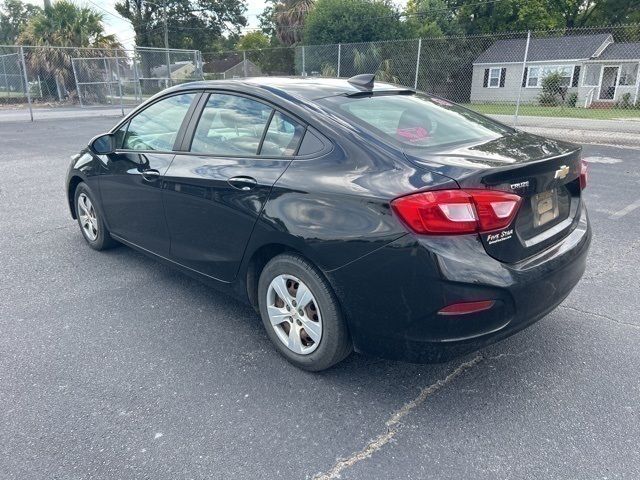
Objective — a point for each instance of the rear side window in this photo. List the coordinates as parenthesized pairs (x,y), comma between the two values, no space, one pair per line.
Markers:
(156,127)
(230,125)
(283,136)
(416,120)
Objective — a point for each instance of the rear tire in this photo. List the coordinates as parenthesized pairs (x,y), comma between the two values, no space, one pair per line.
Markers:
(308,304)
(90,220)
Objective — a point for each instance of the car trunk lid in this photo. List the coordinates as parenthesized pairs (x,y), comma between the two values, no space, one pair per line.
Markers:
(545,173)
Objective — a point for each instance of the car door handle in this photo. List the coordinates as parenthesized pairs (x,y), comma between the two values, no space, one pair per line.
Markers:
(242,183)
(150,175)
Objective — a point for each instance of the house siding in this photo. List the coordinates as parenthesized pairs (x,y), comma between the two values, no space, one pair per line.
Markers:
(513,84)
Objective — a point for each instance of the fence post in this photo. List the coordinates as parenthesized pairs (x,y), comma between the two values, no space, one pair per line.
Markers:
(524,65)
(168,84)
(635,98)
(6,81)
(339,58)
(119,83)
(415,82)
(136,87)
(244,63)
(75,77)
(26,82)
(107,70)
(304,73)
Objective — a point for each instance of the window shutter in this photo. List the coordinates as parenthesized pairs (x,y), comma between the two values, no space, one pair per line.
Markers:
(524,76)
(485,84)
(576,76)
(503,76)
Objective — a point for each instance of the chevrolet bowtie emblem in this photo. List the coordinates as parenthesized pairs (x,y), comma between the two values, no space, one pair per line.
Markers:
(562,172)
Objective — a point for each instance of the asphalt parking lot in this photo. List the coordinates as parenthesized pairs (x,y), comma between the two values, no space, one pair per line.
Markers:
(114,366)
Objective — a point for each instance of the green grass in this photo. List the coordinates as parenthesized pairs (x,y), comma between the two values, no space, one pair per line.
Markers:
(569,112)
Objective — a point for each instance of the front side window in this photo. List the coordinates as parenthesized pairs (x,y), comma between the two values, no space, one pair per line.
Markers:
(283,136)
(156,127)
(230,125)
(417,120)
(628,73)
(591,76)
(494,77)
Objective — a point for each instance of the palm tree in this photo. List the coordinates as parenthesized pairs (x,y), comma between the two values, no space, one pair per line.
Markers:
(64,24)
(289,19)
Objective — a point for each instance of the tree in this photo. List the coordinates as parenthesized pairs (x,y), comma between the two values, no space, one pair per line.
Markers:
(253,41)
(14,16)
(431,18)
(337,21)
(284,20)
(192,24)
(63,25)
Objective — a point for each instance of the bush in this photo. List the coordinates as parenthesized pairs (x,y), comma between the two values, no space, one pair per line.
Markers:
(553,92)
(625,102)
(572,99)
(548,100)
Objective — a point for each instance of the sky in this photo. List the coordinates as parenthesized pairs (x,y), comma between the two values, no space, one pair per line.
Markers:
(115,24)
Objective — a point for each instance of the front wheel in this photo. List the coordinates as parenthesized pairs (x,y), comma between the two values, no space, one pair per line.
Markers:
(90,220)
(301,314)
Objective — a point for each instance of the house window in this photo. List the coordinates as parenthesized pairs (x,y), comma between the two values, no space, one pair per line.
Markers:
(591,76)
(628,74)
(534,76)
(494,77)
(537,74)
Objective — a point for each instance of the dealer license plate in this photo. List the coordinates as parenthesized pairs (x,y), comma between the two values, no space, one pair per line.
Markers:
(545,207)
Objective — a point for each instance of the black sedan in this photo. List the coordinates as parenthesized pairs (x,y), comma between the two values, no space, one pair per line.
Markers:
(352,216)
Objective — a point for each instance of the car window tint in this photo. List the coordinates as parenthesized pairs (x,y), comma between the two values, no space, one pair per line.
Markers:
(417,121)
(230,125)
(156,127)
(283,136)
(311,144)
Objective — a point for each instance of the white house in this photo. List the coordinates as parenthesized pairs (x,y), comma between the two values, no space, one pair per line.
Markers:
(599,70)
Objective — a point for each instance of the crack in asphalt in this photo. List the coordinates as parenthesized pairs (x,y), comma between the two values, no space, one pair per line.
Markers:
(393,424)
(599,315)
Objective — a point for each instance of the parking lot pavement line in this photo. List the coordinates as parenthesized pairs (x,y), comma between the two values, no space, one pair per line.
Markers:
(393,424)
(626,210)
(599,315)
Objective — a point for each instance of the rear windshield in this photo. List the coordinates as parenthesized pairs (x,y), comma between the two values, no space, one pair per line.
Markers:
(416,120)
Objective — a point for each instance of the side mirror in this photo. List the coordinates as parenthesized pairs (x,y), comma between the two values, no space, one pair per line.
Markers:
(103,144)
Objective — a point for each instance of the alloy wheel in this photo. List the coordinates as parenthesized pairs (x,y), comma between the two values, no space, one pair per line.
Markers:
(88,217)
(294,314)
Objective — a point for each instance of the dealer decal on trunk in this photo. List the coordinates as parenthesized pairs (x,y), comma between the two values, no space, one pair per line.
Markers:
(499,237)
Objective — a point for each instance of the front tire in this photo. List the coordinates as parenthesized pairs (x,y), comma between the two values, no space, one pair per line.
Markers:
(301,314)
(90,219)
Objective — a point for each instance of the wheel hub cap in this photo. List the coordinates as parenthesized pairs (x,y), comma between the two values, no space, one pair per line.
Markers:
(294,314)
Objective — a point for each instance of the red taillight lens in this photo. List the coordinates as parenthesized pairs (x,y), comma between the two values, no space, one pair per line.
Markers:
(584,175)
(448,212)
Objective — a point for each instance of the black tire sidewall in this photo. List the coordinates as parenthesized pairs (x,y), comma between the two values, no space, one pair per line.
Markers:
(335,343)
(102,240)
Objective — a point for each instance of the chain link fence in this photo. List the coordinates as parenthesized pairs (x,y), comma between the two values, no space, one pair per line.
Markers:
(525,78)
(36,78)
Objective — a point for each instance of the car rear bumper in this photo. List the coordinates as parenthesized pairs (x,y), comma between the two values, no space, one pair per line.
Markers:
(391,297)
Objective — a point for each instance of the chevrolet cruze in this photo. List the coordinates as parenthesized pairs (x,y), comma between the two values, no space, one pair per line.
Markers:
(351,215)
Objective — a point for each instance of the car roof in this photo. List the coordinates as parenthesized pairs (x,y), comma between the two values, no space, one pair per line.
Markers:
(307,88)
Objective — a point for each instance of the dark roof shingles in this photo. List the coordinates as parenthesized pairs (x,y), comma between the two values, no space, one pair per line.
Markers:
(621,51)
(541,49)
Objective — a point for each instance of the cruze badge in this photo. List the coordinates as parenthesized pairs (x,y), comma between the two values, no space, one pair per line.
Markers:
(562,172)
(516,186)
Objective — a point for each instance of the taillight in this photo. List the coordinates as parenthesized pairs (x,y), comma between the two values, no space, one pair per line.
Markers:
(449,212)
(584,175)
